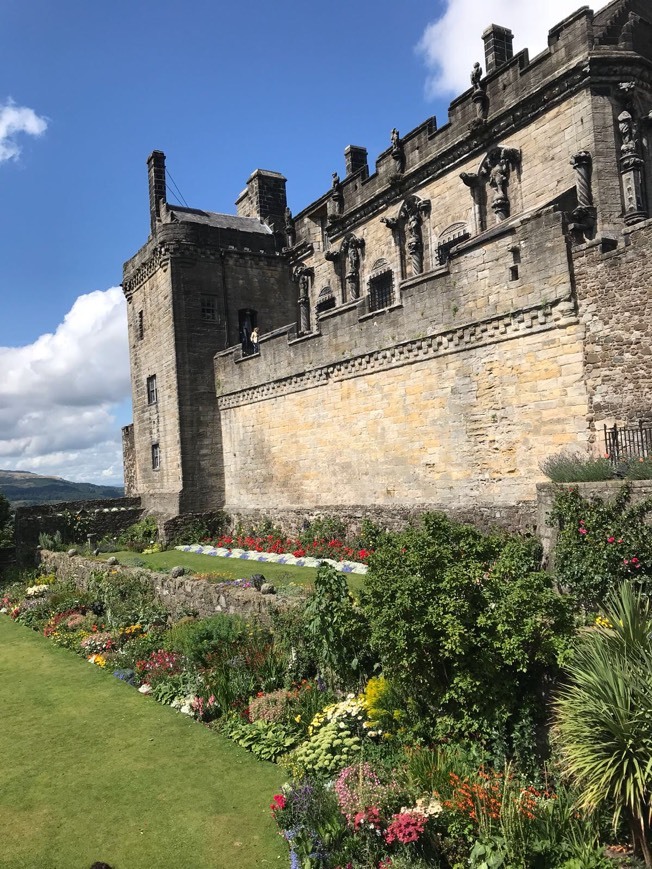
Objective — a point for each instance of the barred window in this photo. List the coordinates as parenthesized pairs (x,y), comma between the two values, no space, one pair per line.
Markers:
(156,457)
(209,309)
(141,326)
(152,392)
(381,291)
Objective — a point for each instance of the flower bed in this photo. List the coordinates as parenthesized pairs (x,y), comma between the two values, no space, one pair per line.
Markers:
(276,557)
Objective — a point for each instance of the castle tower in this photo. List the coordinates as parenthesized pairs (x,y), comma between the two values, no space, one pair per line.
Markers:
(200,284)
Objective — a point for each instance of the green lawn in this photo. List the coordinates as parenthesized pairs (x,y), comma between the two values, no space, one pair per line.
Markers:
(91,770)
(227,568)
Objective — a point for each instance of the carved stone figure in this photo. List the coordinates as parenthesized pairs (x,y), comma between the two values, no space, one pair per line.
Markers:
(351,247)
(476,75)
(337,199)
(415,242)
(583,217)
(627,132)
(302,275)
(408,230)
(496,170)
(289,228)
(397,152)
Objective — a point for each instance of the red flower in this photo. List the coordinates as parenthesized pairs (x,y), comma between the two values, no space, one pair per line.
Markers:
(278,802)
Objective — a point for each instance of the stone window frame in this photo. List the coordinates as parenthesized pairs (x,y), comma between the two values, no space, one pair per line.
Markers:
(156,457)
(141,325)
(209,307)
(152,390)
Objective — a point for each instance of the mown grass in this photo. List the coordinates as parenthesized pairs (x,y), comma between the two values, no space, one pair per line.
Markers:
(91,770)
(219,569)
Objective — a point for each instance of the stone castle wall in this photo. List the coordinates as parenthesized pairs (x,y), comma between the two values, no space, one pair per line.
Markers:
(451,399)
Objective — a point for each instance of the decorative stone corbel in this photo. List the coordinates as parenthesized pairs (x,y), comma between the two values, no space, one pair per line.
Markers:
(472,181)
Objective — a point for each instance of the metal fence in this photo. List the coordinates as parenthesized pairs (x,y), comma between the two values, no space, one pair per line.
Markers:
(625,443)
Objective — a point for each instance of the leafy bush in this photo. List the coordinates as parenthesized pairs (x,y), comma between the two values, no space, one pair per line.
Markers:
(567,467)
(323,528)
(196,640)
(600,543)
(196,529)
(267,740)
(469,629)
(125,599)
(337,630)
(140,535)
(638,469)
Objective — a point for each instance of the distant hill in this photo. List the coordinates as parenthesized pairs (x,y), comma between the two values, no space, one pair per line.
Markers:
(22,489)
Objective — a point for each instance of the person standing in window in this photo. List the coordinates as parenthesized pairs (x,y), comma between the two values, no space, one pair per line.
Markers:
(254,339)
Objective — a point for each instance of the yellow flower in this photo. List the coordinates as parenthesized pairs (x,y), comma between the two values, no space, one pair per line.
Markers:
(298,718)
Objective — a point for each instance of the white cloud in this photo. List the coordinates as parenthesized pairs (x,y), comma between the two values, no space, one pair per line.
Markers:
(58,396)
(13,120)
(452,44)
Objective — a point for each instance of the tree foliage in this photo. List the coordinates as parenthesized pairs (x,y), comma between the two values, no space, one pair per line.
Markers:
(469,628)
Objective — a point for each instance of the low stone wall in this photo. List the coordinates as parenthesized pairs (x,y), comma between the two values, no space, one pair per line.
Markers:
(518,518)
(179,596)
(606,490)
(75,520)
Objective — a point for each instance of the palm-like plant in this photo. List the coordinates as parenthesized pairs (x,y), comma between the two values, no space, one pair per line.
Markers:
(604,715)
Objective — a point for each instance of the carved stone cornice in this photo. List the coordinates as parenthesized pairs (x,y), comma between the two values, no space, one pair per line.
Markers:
(502,327)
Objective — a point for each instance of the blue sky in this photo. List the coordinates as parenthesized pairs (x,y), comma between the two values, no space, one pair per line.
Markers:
(88,89)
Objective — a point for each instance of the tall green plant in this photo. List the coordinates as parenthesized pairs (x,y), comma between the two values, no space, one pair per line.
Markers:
(337,630)
(604,715)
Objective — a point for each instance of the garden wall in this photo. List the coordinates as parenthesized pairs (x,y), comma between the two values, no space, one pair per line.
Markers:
(75,520)
(180,596)
(606,490)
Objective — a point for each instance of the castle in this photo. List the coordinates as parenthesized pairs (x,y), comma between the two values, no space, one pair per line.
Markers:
(429,331)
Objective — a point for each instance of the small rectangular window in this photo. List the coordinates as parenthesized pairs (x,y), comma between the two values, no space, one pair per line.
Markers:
(152,392)
(141,326)
(209,310)
(381,291)
(156,457)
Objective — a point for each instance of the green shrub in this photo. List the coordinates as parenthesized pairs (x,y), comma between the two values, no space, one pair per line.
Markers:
(196,640)
(337,630)
(267,740)
(140,535)
(125,599)
(196,529)
(469,629)
(567,467)
(323,528)
(600,543)
(638,469)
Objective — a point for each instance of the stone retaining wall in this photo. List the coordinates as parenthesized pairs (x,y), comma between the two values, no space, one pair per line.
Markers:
(180,596)
(606,490)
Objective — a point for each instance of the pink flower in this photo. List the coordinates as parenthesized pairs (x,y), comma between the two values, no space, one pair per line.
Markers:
(610,539)
(583,531)
(405,827)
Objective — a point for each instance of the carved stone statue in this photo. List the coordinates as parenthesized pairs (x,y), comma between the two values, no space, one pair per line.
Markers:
(476,75)
(415,243)
(496,170)
(351,248)
(397,152)
(336,197)
(289,228)
(627,132)
(336,181)
(302,276)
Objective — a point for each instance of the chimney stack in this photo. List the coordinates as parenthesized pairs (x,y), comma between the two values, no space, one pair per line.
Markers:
(157,186)
(355,158)
(498,46)
(264,198)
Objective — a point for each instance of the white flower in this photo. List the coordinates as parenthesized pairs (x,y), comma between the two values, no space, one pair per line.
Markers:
(3,610)
(145,689)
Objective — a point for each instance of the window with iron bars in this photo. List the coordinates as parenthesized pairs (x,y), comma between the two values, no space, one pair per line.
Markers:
(156,457)
(381,291)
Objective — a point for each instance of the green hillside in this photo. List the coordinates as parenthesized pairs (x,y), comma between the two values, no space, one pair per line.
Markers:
(22,488)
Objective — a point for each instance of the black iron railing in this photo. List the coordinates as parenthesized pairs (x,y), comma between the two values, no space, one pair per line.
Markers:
(624,443)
